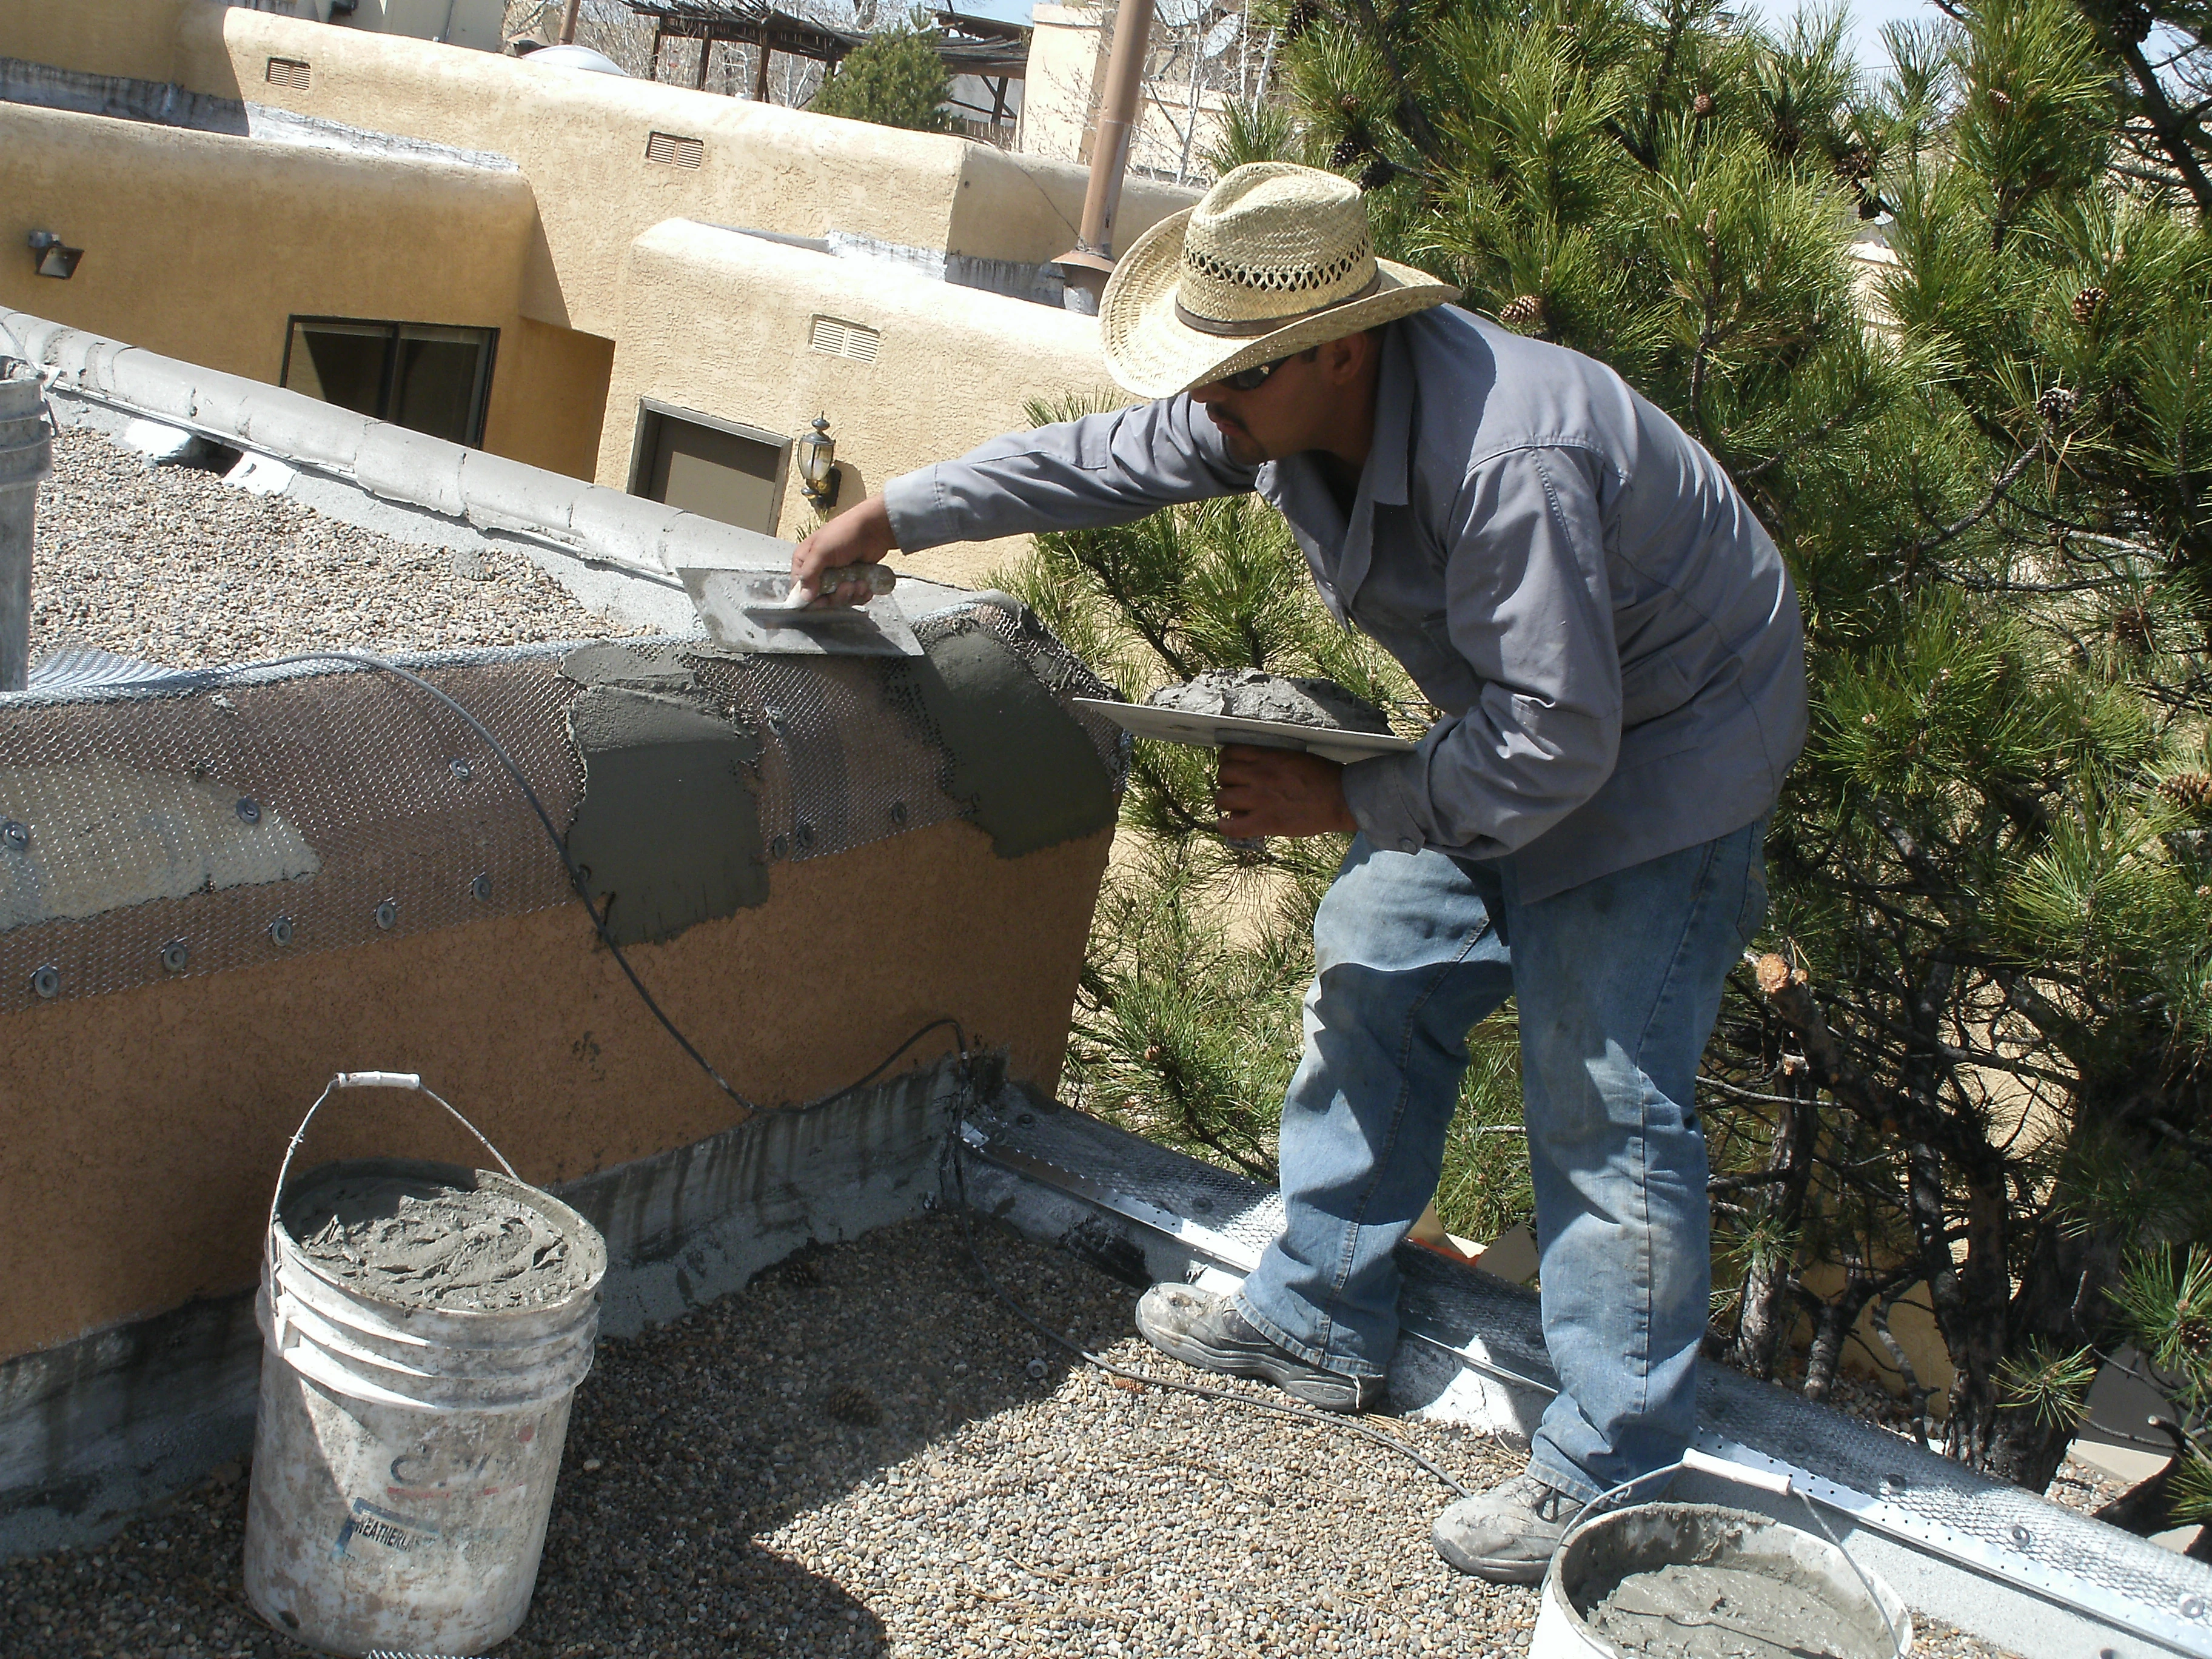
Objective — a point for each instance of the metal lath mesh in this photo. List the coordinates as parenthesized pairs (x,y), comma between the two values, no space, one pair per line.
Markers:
(236,818)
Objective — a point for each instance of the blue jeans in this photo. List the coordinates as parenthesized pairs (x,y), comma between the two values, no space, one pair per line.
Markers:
(1617,982)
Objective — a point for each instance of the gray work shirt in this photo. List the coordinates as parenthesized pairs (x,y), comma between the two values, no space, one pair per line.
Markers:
(1564,571)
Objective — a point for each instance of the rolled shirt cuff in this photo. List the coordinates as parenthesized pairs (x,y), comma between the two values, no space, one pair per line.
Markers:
(920,516)
(1378,791)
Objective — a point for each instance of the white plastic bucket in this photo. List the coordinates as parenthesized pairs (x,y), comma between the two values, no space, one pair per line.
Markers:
(1647,1537)
(404,1457)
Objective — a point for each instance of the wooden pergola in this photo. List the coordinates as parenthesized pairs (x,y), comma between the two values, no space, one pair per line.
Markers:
(996,52)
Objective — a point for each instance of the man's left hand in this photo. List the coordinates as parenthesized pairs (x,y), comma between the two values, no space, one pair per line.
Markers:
(1280,792)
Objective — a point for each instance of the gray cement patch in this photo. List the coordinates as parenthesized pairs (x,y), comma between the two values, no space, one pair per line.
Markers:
(1247,694)
(1015,754)
(668,833)
(424,1243)
(1705,1610)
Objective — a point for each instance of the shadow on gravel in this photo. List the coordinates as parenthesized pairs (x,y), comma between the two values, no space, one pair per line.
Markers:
(687,1444)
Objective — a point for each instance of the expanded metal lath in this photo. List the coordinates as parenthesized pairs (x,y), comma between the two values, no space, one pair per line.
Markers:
(396,818)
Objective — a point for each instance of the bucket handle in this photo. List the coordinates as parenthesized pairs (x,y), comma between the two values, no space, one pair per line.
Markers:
(374,1080)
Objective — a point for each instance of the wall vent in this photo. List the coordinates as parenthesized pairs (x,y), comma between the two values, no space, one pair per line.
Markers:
(291,72)
(842,339)
(670,151)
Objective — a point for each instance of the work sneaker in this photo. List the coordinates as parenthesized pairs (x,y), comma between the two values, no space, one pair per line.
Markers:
(1203,1329)
(1507,1535)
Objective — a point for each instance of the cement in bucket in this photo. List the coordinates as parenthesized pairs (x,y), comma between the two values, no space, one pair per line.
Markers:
(404,1452)
(1696,1580)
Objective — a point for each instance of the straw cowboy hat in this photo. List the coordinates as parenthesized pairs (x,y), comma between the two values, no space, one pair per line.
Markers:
(1275,259)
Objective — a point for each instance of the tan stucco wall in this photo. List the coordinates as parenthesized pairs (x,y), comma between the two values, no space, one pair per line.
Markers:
(144,1128)
(580,139)
(137,37)
(549,394)
(200,245)
(720,322)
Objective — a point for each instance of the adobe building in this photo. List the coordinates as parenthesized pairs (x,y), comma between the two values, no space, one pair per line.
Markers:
(649,287)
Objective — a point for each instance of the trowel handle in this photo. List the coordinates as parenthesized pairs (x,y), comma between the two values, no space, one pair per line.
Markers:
(374,1080)
(878,579)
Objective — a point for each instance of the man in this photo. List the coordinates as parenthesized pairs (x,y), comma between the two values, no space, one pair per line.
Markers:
(1616,644)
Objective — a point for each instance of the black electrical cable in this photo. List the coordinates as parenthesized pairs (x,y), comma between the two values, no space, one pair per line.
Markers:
(1303,1413)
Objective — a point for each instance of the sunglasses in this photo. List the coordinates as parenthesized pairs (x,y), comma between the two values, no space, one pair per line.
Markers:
(1252,378)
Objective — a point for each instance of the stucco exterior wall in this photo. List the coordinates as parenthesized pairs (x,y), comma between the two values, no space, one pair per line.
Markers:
(137,37)
(144,1128)
(720,323)
(200,245)
(581,140)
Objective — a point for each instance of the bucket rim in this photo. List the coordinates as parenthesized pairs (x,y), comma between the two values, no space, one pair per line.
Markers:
(282,1251)
(1889,1602)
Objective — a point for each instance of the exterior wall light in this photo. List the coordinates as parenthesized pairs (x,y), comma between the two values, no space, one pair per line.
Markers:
(51,258)
(818,464)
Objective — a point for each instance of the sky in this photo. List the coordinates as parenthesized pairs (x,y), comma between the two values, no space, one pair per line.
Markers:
(1867,17)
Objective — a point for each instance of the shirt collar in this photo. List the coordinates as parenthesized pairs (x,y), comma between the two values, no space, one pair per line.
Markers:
(1395,388)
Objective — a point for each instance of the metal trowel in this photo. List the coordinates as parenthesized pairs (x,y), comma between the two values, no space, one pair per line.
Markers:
(751,612)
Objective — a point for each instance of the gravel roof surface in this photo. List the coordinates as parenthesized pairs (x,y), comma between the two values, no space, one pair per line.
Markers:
(864,1454)
(171,565)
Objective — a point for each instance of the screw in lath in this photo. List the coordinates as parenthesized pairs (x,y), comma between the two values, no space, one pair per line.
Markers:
(481,887)
(387,914)
(176,956)
(46,981)
(249,811)
(280,930)
(17,835)
(462,770)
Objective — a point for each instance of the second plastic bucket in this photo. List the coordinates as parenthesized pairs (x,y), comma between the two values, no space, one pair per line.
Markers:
(404,1457)
(1649,1538)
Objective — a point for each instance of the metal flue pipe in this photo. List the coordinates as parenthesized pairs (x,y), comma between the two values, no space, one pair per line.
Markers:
(27,455)
(1087,265)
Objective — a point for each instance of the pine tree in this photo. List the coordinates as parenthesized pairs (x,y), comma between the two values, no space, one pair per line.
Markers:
(1977,1058)
(895,80)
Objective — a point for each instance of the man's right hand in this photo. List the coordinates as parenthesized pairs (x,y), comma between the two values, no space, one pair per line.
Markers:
(859,535)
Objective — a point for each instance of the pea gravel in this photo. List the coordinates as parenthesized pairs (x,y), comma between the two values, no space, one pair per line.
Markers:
(171,565)
(864,1453)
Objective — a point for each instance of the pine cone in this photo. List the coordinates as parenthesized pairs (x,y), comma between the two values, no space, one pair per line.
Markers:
(854,1405)
(1349,148)
(2131,22)
(1377,172)
(1702,105)
(1302,16)
(1348,103)
(1787,137)
(2131,627)
(2057,406)
(1522,311)
(2000,98)
(2191,791)
(1856,163)
(2087,304)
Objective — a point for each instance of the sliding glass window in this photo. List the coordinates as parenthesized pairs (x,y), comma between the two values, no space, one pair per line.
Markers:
(423,376)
